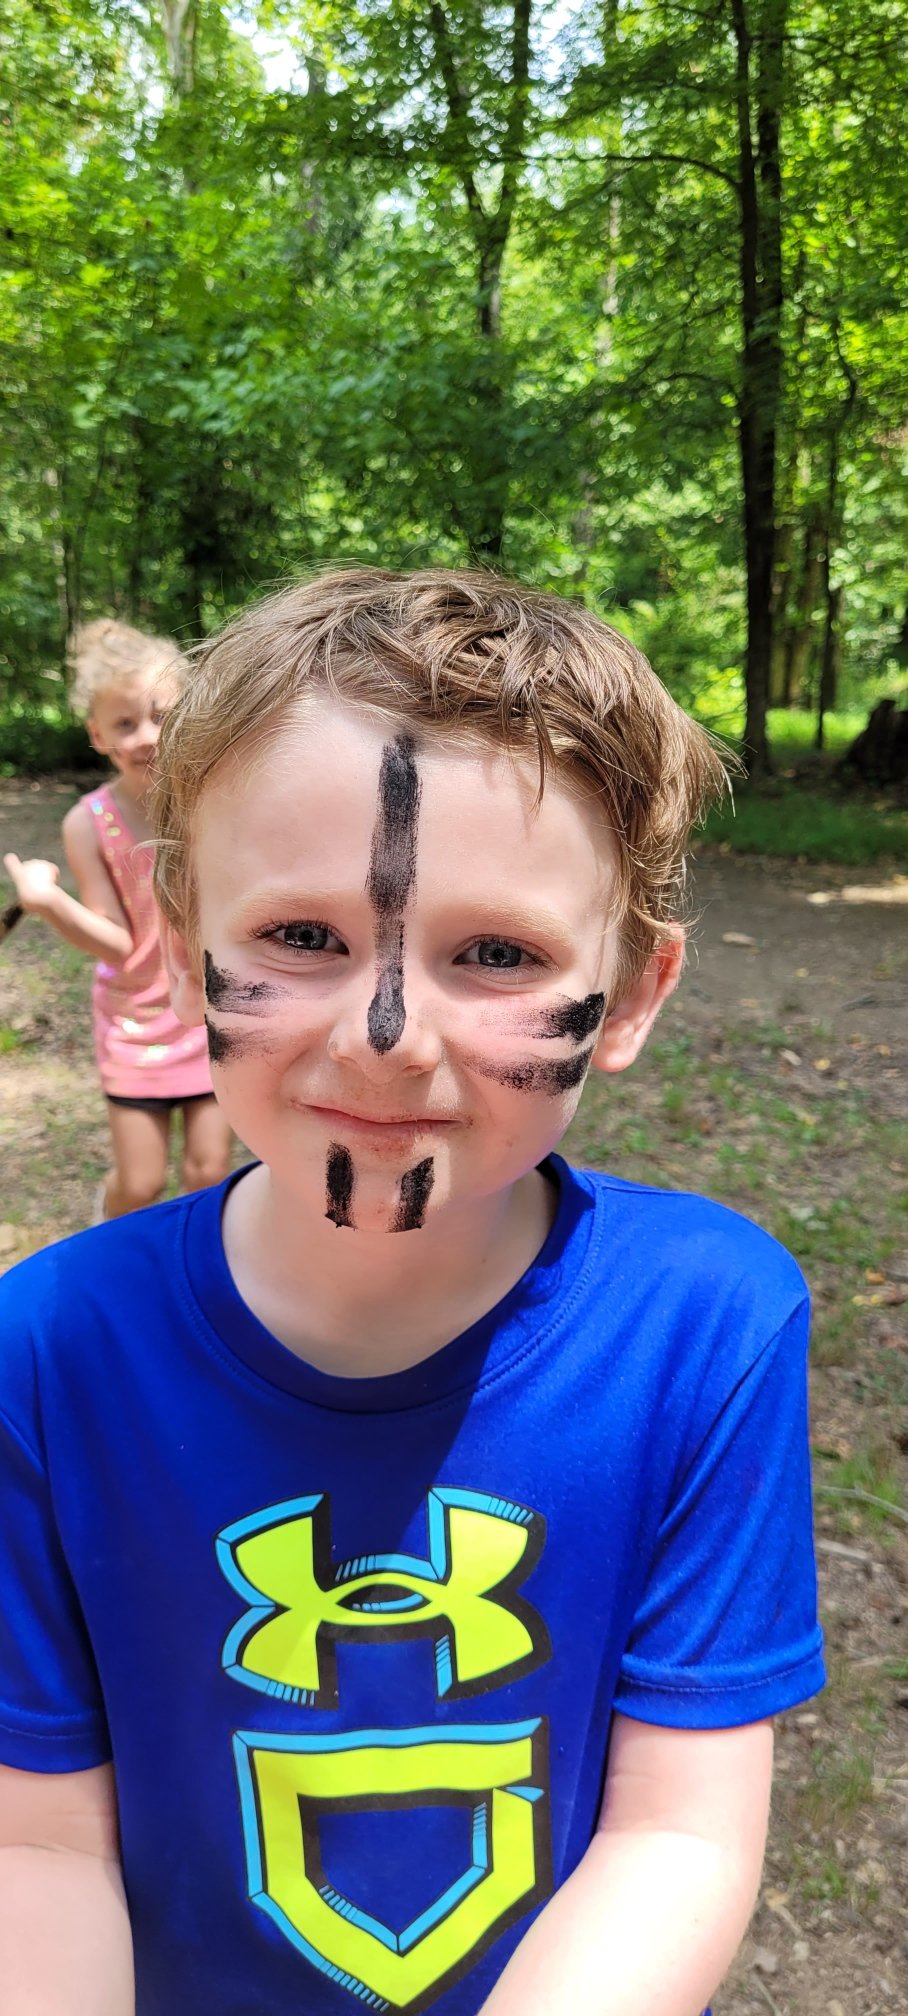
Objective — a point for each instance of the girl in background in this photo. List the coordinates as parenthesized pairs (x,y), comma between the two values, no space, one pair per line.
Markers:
(149,1064)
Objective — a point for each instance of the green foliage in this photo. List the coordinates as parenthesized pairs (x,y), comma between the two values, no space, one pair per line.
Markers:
(35,743)
(809,824)
(465,284)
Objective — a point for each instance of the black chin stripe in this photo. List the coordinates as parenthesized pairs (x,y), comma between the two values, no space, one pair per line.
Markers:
(415,1191)
(341,1178)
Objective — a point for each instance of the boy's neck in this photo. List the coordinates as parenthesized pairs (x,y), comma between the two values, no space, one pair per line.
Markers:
(361,1305)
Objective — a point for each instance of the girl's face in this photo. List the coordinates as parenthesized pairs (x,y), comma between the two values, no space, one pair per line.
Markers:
(125,724)
(406,965)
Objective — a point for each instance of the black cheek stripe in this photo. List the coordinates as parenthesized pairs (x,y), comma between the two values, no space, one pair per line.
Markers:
(532,1074)
(238,997)
(226,1048)
(577,1019)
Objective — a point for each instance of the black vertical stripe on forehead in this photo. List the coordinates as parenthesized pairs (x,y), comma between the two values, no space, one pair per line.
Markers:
(340,1178)
(392,873)
(415,1191)
(392,863)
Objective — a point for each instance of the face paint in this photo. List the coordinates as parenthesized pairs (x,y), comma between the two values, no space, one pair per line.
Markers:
(392,872)
(535,1074)
(225,1048)
(340,1180)
(221,1047)
(238,997)
(576,1019)
(415,1191)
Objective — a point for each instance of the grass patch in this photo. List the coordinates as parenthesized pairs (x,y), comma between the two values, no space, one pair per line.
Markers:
(805,812)
(869,1473)
(719,1114)
(840,1784)
(804,822)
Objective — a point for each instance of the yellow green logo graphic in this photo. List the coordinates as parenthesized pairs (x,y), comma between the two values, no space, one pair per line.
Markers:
(463,1596)
(287,1783)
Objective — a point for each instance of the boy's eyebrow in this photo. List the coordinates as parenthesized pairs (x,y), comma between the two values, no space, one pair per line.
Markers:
(484,914)
(510,917)
(290,902)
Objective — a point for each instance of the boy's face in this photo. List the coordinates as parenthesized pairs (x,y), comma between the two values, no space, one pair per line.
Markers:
(406,966)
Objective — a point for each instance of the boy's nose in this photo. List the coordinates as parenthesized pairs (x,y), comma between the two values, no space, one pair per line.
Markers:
(382,1046)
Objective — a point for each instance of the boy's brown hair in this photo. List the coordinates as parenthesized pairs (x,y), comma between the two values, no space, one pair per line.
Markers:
(473,655)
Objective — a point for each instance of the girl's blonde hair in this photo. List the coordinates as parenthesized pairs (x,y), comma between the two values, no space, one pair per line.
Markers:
(108,653)
(464,652)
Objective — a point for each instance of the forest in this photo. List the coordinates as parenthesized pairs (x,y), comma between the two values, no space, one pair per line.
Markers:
(609,296)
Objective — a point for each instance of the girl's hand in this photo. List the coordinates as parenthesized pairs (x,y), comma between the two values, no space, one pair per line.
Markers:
(34,881)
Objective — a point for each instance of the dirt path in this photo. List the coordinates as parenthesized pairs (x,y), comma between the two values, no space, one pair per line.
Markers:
(825,944)
(777,1082)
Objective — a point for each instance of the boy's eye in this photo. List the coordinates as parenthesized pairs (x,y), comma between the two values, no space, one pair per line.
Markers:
(498,955)
(307,937)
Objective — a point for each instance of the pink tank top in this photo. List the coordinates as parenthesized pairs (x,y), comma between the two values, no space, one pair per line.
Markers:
(143,1051)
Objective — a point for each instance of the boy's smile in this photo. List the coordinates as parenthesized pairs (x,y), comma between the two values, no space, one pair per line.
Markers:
(406,963)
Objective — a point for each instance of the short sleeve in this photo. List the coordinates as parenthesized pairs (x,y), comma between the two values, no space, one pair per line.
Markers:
(51,1712)
(726,1631)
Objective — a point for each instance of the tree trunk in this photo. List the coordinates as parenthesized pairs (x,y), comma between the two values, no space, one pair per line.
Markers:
(144,496)
(178,19)
(490,462)
(831,661)
(901,648)
(799,636)
(490,229)
(781,595)
(759,104)
(833,596)
(316,87)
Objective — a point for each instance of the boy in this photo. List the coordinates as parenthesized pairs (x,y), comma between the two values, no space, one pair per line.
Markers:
(399,1600)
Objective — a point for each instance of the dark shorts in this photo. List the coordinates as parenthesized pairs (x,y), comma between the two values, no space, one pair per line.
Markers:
(158,1105)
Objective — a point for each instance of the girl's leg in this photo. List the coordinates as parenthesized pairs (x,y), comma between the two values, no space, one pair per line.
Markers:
(207,1144)
(140,1158)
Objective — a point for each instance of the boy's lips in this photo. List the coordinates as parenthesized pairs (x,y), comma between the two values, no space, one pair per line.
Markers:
(379,1123)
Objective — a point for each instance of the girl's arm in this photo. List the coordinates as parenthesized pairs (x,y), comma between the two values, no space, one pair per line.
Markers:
(97,922)
(652,1917)
(65,1940)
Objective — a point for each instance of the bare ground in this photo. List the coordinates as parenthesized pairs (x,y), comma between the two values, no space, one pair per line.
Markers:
(776,1082)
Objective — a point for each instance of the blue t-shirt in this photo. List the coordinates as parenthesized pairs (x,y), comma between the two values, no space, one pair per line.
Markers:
(354,1645)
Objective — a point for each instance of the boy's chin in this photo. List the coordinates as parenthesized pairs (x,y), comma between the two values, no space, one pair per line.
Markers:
(383,1202)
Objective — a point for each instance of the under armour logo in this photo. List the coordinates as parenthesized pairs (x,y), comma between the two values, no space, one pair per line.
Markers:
(463,1596)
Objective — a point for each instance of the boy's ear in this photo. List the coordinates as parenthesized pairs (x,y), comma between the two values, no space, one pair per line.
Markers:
(628,1024)
(187,992)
